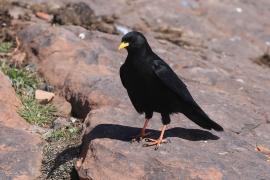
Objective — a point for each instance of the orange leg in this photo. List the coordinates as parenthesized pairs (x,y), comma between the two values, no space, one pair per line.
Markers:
(158,141)
(142,133)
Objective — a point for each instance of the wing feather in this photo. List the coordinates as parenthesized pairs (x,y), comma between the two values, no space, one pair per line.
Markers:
(166,75)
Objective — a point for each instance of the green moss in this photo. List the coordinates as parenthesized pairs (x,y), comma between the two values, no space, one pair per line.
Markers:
(23,80)
(67,133)
(5,47)
(35,113)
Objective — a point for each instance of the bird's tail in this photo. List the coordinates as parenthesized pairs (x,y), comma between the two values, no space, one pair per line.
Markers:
(198,116)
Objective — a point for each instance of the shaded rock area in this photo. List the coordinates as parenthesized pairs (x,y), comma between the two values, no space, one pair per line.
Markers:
(20,150)
(77,14)
(211,45)
(263,60)
(82,15)
(57,13)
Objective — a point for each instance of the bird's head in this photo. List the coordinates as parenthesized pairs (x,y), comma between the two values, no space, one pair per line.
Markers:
(133,41)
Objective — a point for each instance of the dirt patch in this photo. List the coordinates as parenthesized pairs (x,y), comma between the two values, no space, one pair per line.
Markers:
(9,43)
(5,18)
(60,157)
(5,22)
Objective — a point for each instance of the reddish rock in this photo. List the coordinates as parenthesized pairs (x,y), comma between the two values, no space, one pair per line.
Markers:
(44,96)
(44,16)
(90,69)
(20,150)
(63,107)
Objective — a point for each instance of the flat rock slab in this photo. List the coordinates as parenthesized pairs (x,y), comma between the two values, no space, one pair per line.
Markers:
(20,150)
(191,154)
(86,72)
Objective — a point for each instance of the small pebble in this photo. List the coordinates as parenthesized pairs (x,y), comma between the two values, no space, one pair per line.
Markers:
(223,153)
(235,38)
(73,120)
(240,80)
(241,88)
(239,10)
(82,36)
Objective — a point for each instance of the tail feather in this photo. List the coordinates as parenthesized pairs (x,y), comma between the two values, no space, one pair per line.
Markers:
(198,116)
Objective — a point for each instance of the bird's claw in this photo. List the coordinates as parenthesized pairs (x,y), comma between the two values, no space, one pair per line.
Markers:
(155,142)
(136,139)
(139,137)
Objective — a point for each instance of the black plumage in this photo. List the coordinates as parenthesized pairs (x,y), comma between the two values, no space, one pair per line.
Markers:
(154,87)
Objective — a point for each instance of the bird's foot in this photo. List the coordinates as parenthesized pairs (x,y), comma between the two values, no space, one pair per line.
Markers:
(155,142)
(139,137)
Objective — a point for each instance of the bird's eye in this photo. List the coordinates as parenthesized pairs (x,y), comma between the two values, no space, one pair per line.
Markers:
(129,40)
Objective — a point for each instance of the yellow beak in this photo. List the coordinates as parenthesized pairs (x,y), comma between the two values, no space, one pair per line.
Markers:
(123,45)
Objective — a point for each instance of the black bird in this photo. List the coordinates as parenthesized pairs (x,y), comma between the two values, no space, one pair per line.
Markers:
(153,86)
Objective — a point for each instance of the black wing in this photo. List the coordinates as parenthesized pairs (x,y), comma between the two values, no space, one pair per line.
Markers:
(193,111)
(166,75)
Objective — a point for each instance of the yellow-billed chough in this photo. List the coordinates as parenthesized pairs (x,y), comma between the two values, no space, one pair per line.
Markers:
(153,86)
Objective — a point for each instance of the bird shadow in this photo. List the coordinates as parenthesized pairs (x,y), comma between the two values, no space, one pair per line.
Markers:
(125,133)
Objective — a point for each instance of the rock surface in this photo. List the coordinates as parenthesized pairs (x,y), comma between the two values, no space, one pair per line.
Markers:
(210,44)
(20,150)
(63,107)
